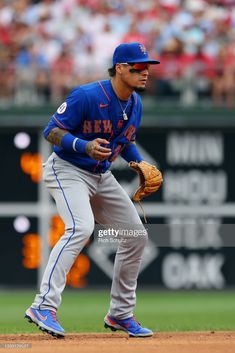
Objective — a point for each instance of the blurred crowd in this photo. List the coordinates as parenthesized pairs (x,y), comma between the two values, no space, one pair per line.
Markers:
(47,47)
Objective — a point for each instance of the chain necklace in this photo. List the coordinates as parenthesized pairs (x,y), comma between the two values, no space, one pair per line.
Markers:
(125,117)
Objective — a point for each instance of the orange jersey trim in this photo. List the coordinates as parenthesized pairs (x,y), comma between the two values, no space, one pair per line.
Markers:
(106,94)
(59,123)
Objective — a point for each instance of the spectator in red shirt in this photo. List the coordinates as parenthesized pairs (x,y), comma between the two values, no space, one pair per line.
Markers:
(134,35)
(62,78)
(223,82)
(169,72)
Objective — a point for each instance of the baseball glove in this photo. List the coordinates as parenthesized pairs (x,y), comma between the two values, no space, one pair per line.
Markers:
(150,179)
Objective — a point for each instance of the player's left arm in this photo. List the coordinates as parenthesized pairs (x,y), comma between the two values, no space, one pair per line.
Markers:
(131,153)
(150,178)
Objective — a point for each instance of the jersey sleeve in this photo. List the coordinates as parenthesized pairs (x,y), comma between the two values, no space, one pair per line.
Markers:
(131,153)
(139,116)
(72,112)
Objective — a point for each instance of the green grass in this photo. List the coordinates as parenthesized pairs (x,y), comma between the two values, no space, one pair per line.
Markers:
(83,311)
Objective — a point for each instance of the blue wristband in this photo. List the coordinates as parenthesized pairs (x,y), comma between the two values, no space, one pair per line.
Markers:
(73,144)
(131,153)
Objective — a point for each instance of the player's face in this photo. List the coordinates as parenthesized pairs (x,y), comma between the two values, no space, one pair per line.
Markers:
(135,75)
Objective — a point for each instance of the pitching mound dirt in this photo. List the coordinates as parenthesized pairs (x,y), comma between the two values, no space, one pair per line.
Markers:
(171,342)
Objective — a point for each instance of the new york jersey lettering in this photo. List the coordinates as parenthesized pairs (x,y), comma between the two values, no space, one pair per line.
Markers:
(97,126)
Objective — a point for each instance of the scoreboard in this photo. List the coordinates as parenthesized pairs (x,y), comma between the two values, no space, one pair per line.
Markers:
(20,174)
(194,210)
(21,170)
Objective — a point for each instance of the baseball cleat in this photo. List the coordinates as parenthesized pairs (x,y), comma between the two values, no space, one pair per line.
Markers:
(130,325)
(46,321)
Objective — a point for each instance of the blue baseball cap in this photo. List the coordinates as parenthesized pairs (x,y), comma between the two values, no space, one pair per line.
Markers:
(132,53)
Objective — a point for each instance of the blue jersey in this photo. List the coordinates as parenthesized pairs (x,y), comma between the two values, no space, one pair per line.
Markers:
(91,111)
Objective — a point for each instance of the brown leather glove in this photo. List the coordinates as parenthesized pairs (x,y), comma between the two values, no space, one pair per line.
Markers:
(150,179)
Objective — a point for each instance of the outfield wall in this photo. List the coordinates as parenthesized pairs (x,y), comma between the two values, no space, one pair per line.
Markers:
(194,210)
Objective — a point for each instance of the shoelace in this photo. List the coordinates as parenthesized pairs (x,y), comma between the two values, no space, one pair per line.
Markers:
(53,314)
(136,320)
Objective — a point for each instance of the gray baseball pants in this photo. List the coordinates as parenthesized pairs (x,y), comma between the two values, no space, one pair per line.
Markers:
(81,198)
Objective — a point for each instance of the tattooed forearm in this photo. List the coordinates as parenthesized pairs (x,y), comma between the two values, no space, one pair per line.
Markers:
(55,136)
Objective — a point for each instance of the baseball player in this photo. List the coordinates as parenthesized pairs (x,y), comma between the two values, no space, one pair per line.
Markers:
(97,122)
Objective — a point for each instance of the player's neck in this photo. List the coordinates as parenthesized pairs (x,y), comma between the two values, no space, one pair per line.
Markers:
(122,91)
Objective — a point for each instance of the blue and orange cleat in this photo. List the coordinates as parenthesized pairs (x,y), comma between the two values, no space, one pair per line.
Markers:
(46,320)
(130,325)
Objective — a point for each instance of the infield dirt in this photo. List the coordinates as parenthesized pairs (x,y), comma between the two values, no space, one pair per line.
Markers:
(170,342)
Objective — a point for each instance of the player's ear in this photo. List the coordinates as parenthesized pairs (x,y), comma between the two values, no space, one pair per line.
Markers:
(118,68)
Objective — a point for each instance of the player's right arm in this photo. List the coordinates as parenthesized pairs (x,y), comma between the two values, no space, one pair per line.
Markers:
(55,136)
(67,118)
(64,139)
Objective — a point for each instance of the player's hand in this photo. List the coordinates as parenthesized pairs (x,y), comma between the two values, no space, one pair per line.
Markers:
(96,151)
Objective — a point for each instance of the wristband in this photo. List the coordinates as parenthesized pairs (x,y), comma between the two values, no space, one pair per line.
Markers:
(73,144)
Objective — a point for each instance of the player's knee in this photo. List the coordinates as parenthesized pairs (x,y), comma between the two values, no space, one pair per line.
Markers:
(139,242)
(85,229)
